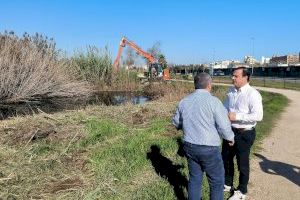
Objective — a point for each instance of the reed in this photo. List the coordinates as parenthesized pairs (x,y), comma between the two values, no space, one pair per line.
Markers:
(31,69)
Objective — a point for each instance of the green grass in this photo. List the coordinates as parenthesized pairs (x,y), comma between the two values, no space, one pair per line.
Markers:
(263,83)
(100,130)
(274,84)
(273,105)
(126,159)
(155,190)
(106,154)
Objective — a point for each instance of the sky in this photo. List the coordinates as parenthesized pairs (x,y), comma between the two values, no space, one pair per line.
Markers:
(189,31)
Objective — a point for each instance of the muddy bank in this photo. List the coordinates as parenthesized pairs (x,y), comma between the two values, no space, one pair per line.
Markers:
(52,105)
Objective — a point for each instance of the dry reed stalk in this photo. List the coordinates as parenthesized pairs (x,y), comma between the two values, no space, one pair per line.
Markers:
(30,70)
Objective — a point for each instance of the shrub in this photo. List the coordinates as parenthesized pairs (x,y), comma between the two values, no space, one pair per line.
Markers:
(30,69)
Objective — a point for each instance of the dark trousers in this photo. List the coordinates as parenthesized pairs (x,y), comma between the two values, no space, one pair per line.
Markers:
(241,149)
(206,159)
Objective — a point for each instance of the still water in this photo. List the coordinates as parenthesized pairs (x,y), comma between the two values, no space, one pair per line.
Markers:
(57,105)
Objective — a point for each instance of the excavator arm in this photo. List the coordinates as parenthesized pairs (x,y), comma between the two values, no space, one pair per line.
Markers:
(124,41)
(117,60)
(154,66)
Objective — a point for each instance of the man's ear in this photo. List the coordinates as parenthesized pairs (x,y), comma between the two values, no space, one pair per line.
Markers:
(209,86)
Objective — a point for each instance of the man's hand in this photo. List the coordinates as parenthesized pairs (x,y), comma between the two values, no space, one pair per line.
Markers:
(232,116)
(231,143)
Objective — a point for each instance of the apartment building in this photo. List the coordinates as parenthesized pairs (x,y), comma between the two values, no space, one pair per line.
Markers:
(284,60)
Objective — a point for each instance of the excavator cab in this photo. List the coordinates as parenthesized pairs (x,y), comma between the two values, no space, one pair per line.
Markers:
(155,71)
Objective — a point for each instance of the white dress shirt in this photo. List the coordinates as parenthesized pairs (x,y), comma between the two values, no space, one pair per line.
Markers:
(247,104)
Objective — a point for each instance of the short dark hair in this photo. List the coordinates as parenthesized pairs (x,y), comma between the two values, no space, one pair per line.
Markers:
(202,80)
(245,72)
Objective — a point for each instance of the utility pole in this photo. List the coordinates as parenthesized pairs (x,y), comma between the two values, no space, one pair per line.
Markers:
(252,39)
(213,65)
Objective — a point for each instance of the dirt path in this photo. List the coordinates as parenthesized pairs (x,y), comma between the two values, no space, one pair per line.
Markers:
(275,171)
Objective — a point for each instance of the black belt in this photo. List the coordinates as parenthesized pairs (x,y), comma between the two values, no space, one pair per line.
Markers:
(241,130)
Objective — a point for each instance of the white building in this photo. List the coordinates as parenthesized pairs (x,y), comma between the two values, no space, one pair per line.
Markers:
(250,60)
(222,64)
(265,60)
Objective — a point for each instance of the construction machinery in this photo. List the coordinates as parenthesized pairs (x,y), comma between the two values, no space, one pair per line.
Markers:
(155,70)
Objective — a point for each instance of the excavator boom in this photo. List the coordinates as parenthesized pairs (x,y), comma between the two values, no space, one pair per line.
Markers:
(155,68)
(124,41)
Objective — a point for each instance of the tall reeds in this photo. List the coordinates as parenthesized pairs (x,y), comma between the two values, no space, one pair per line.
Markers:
(95,66)
(30,69)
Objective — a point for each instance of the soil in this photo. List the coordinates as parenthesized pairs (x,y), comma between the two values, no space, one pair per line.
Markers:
(275,170)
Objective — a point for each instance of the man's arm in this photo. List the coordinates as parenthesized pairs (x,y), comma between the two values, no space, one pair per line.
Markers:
(222,122)
(177,119)
(226,102)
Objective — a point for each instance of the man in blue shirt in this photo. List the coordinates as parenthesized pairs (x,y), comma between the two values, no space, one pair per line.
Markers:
(204,121)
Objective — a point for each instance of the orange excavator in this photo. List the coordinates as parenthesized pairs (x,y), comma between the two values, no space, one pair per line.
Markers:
(155,68)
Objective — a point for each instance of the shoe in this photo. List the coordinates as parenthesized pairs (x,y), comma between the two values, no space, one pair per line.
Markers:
(227,188)
(238,195)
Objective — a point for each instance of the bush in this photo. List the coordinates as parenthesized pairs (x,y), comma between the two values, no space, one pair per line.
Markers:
(30,69)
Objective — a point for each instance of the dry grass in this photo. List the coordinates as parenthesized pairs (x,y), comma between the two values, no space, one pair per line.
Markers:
(168,91)
(56,166)
(30,69)
(52,167)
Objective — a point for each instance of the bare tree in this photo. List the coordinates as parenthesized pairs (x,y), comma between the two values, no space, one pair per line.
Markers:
(130,57)
(155,50)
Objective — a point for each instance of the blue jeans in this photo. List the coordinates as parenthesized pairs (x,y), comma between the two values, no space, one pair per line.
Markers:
(206,159)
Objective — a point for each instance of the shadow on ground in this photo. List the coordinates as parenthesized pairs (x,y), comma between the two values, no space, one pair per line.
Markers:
(290,172)
(165,168)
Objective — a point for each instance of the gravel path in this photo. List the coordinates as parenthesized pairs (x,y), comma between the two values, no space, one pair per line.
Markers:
(275,170)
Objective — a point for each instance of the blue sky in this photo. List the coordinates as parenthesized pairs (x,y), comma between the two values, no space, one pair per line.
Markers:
(190,31)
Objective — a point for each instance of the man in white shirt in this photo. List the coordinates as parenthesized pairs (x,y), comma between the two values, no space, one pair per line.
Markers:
(244,105)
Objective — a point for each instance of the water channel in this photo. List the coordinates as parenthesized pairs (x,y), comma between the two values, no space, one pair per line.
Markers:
(111,98)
